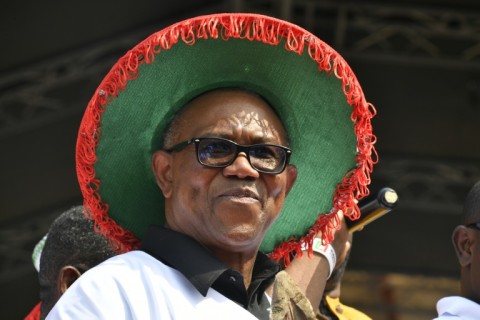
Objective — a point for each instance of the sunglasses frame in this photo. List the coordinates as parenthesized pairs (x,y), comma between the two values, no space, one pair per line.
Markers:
(239,148)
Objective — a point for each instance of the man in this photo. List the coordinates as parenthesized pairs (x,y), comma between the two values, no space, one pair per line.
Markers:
(466,242)
(188,150)
(70,248)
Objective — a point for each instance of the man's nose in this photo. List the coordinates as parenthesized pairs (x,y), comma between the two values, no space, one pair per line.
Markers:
(241,168)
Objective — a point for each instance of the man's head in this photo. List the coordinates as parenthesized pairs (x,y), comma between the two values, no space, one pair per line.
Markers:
(230,206)
(466,241)
(72,247)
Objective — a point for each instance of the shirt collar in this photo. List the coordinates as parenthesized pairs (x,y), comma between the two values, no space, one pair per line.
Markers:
(185,255)
(194,261)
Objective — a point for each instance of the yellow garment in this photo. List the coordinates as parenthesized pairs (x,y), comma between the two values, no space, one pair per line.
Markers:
(344,312)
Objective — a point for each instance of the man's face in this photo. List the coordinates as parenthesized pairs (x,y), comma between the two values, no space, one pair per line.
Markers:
(227,208)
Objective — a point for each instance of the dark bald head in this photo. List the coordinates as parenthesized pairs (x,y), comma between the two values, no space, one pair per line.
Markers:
(471,207)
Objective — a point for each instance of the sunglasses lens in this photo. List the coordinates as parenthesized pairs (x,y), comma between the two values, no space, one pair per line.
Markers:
(215,152)
(267,158)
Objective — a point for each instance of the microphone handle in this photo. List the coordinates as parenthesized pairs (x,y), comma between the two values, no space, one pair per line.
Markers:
(374,207)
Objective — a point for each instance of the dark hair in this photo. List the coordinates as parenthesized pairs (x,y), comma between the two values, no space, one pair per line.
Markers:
(471,205)
(71,240)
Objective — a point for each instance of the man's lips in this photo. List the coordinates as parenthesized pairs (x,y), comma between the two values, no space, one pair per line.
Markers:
(240,194)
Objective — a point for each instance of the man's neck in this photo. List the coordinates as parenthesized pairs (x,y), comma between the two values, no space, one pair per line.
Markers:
(241,262)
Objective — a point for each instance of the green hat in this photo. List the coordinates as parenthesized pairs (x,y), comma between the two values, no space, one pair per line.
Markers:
(309,84)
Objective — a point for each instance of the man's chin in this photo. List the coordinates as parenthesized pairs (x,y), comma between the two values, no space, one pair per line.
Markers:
(242,237)
(239,218)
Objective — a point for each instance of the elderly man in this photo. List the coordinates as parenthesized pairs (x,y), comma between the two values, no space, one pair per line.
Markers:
(466,242)
(187,152)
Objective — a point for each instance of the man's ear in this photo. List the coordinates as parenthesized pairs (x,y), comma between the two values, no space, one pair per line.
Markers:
(462,244)
(291,176)
(162,169)
(66,277)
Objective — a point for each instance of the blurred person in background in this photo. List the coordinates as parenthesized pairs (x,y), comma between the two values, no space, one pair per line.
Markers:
(466,242)
(70,248)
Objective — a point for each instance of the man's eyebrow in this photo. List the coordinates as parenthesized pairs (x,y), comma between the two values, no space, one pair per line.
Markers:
(257,139)
(268,140)
(272,138)
(211,134)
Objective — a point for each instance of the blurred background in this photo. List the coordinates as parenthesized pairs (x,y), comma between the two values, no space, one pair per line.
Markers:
(418,62)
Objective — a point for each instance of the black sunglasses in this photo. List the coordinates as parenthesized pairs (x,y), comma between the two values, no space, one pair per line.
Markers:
(474,225)
(220,153)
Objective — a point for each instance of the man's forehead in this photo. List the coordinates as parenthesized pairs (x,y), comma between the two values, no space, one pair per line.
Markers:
(236,124)
(233,109)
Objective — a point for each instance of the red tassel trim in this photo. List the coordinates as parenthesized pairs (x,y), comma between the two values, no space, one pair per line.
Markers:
(225,26)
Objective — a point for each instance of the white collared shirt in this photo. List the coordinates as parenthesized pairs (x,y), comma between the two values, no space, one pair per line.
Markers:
(455,307)
(135,285)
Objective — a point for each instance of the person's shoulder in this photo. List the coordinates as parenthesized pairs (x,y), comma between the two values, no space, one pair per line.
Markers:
(119,266)
(129,267)
(135,258)
(456,301)
(457,307)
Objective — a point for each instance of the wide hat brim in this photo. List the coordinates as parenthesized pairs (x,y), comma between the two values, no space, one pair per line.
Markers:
(311,87)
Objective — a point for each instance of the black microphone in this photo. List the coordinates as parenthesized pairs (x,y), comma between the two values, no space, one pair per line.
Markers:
(374,207)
